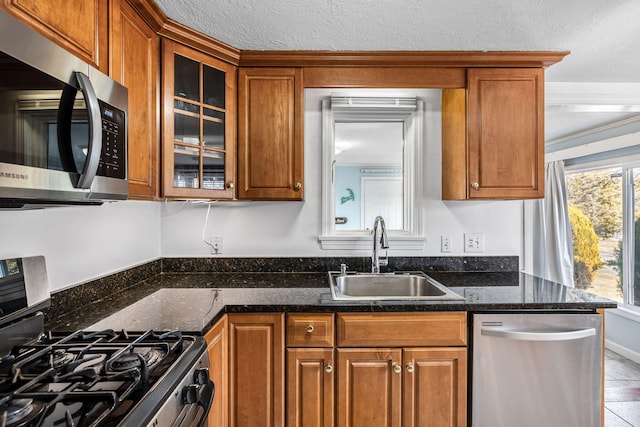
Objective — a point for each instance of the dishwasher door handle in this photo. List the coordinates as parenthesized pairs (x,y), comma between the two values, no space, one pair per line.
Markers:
(538,336)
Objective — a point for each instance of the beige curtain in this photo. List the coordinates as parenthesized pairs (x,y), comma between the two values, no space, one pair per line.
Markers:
(552,249)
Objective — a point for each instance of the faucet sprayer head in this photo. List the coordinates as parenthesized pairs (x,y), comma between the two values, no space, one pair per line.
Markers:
(384,241)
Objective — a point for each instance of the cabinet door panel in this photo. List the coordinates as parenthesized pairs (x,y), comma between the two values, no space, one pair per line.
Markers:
(435,391)
(270,137)
(81,27)
(310,387)
(135,62)
(218,350)
(256,365)
(199,124)
(369,388)
(401,329)
(506,133)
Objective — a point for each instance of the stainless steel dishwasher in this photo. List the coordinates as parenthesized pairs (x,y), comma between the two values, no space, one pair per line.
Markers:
(536,369)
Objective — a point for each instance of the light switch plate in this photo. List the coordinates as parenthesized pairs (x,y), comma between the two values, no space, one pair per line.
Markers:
(445,243)
(473,242)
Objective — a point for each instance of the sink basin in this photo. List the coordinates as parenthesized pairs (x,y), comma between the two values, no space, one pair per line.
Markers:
(388,286)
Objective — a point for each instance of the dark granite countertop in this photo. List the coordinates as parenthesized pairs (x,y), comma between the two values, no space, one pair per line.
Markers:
(191,302)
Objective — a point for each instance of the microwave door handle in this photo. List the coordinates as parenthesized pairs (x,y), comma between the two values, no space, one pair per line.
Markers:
(65,115)
(94,149)
(539,336)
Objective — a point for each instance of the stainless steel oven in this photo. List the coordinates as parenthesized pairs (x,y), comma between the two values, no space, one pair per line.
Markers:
(63,124)
(92,378)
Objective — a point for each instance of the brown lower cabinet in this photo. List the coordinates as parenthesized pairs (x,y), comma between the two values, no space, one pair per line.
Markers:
(397,387)
(256,369)
(435,387)
(317,382)
(369,391)
(310,387)
(218,349)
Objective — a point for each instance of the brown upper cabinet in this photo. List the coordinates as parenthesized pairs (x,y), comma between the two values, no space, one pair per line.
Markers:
(81,27)
(270,134)
(135,63)
(199,120)
(493,135)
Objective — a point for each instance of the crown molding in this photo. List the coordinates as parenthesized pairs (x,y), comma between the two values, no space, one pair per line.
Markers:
(171,29)
(178,32)
(455,59)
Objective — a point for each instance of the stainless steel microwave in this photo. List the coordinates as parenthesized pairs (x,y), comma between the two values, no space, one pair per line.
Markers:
(63,125)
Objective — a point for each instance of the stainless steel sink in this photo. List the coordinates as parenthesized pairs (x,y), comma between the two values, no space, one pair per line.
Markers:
(388,286)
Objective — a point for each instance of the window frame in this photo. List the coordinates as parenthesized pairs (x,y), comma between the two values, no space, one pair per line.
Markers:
(626,165)
(412,237)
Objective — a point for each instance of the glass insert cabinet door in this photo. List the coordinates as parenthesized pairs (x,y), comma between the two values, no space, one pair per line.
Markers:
(198,124)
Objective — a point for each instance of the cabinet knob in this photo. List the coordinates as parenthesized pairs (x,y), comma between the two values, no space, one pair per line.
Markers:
(397,368)
(328,369)
(410,367)
(297,186)
(475,185)
(309,329)
(230,185)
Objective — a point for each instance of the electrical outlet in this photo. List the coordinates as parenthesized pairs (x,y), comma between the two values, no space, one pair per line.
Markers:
(445,243)
(216,244)
(473,242)
(473,294)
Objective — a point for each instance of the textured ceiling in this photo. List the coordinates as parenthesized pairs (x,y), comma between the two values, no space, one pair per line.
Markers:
(602,36)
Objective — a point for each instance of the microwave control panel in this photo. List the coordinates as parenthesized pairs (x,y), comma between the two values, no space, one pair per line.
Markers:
(113,159)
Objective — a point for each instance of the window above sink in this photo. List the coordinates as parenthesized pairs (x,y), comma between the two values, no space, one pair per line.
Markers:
(373,143)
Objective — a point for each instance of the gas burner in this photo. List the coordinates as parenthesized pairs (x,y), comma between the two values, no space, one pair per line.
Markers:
(134,358)
(61,357)
(19,412)
(126,362)
(153,356)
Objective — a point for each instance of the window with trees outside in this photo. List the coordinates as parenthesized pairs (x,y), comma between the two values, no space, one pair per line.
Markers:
(604,211)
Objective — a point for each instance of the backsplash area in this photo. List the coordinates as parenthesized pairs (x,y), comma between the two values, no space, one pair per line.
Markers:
(324,264)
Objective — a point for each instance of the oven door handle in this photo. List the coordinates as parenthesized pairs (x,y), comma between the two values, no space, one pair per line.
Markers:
(198,399)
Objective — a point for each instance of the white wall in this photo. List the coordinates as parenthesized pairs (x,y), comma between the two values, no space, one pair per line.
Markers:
(622,327)
(82,243)
(292,228)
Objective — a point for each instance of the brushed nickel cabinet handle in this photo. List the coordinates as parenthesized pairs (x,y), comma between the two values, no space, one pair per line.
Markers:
(309,329)
(328,369)
(410,368)
(397,368)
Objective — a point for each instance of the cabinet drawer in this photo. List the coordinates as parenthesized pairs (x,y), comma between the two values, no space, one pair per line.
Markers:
(310,330)
(402,329)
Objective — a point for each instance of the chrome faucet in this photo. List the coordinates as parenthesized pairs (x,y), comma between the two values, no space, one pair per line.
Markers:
(376,260)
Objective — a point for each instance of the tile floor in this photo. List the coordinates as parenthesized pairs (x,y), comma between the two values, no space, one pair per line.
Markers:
(621,391)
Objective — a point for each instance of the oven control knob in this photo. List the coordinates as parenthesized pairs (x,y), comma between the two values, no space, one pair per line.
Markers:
(201,375)
(191,394)
(200,394)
